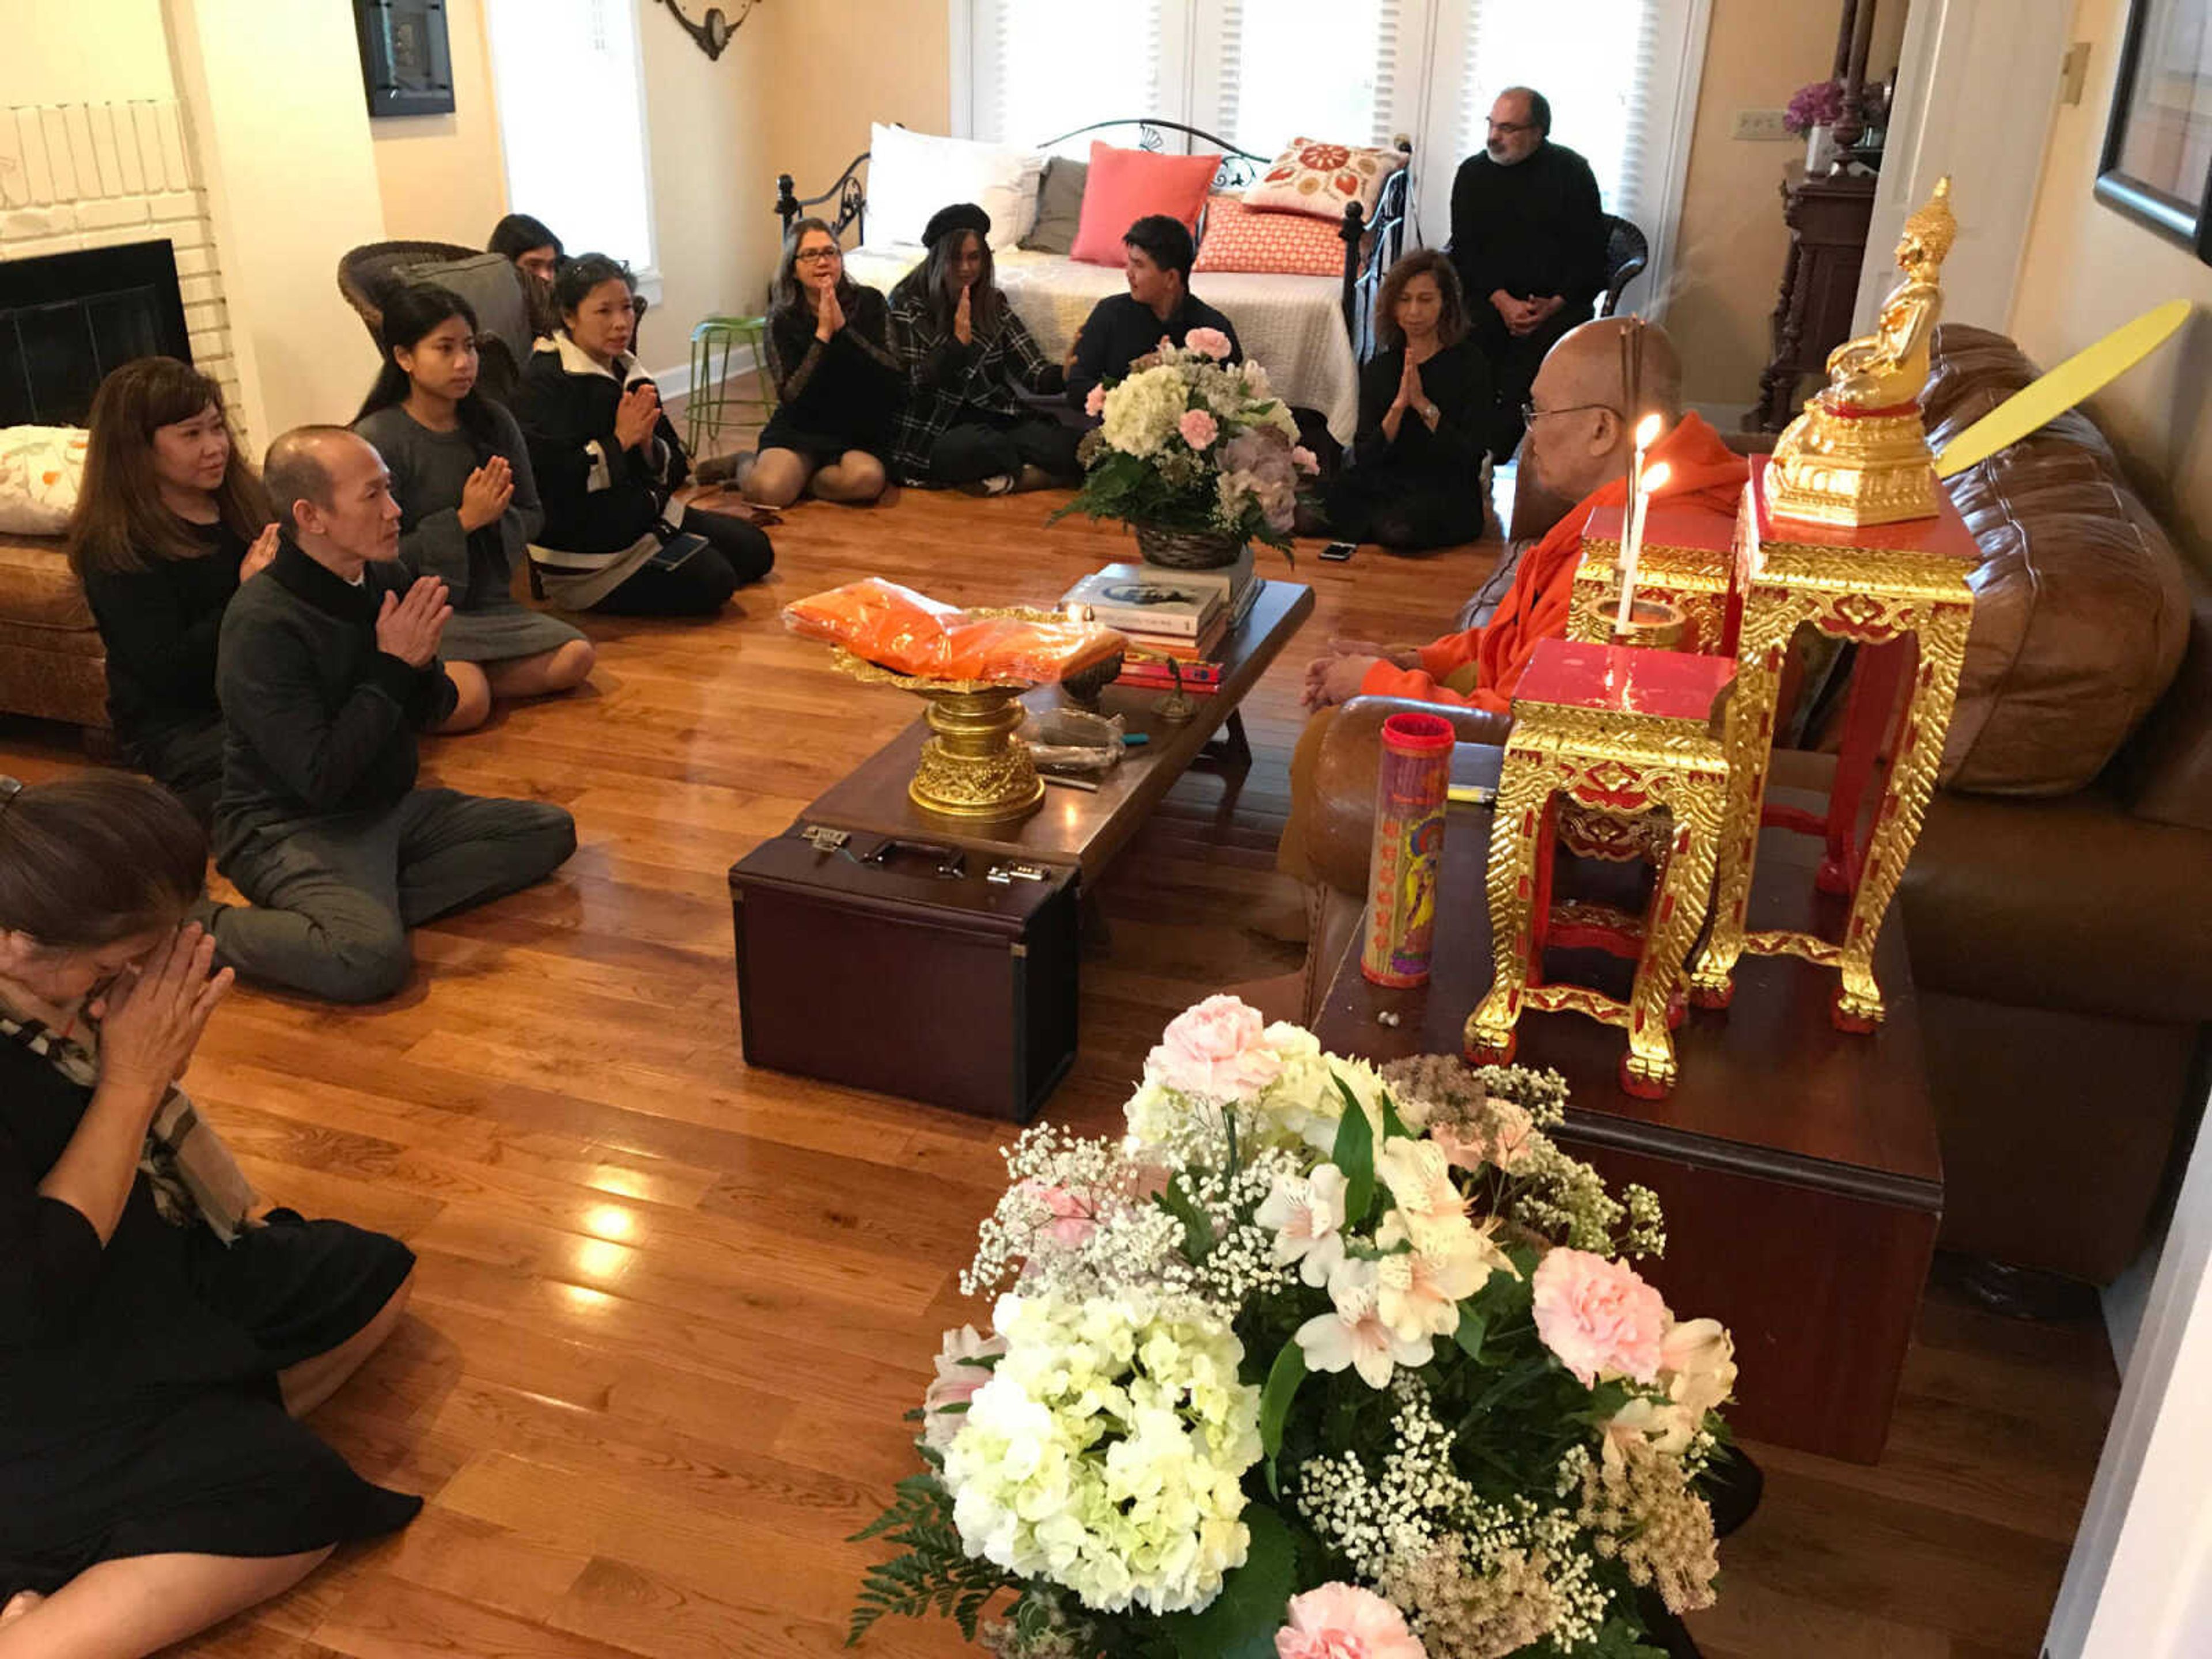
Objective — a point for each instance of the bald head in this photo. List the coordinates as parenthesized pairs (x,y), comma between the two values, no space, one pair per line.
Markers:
(333,497)
(1588,397)
(1616,360)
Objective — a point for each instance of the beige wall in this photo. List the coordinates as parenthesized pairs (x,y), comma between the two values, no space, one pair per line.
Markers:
(1732,243)
(292,183)
(789,95)
(76,51)
(2089,269)
(705,129)
(827,93)
(440,177)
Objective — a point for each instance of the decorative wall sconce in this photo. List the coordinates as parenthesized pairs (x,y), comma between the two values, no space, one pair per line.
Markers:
(712,32)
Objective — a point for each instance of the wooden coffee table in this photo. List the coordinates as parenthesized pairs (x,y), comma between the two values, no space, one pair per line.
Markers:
(1798,1165)
(1073,826)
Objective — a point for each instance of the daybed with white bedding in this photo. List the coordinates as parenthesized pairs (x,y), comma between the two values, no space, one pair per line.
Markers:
(1310,331)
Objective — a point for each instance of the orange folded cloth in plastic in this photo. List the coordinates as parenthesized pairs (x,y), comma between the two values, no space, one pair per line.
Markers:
(900,630)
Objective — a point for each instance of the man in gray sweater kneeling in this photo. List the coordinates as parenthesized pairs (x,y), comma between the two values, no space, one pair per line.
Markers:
(327,667)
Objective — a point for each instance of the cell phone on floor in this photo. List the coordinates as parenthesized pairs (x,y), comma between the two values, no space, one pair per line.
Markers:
(1338,552)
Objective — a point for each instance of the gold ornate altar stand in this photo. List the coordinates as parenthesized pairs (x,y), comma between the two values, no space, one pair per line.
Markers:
(1686,560)
(1899,592)
(1626,734)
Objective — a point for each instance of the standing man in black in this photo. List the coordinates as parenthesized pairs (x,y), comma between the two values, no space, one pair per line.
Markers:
(1528,238)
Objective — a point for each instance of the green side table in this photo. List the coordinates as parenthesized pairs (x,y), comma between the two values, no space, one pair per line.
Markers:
(712,405)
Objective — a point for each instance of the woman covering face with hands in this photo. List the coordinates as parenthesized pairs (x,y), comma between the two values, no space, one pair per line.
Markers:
(838,381)
(461,474)
(160,1330)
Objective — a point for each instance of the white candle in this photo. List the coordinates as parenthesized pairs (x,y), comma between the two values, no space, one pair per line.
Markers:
(1654,477)
(1631,540)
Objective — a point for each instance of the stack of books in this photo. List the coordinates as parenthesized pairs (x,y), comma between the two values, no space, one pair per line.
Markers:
(1186,615)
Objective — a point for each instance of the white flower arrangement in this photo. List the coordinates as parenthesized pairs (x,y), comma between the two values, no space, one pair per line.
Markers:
(1262,1374)
(1189,441)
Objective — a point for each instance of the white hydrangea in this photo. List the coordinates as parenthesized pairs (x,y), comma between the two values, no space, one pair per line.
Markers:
(1140,413)
(1107,1453)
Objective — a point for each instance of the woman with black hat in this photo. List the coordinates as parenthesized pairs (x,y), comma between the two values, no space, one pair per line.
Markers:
(965,352)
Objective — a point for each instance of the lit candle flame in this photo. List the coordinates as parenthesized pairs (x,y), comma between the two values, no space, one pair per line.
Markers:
(1654,476)
(1648,430)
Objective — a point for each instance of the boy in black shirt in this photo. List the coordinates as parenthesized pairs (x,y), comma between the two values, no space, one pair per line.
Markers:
(326,668)
(1123,327)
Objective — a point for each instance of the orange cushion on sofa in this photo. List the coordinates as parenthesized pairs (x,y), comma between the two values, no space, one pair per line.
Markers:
(1239,238)
(1123,185)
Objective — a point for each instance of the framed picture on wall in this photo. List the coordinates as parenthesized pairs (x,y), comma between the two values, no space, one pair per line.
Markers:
(2157,164)
(405,64)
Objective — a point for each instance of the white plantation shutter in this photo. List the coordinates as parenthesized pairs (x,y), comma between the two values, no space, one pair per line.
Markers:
(1046,67)
(1596,60)
(1314,69)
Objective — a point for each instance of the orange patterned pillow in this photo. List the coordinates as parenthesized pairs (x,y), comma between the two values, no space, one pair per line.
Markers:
(1240,237)
(1318,178)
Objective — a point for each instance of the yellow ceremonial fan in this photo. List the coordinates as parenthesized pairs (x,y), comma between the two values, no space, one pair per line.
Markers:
(2081,375)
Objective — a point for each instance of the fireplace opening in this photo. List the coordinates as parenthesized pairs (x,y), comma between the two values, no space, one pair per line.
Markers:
(67,319)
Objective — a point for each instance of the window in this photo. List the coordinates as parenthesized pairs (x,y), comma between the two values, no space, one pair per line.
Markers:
(1026,93)
(1621,76)
(1600,99)
(1312,68)
(572,122)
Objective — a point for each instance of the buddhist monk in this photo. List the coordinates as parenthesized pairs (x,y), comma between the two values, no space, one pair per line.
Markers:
(1577,449)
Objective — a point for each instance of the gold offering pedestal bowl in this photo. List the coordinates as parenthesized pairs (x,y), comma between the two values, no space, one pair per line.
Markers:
(973,766)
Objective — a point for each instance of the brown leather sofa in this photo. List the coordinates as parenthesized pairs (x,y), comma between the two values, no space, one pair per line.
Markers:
(52,664)
(2059,905)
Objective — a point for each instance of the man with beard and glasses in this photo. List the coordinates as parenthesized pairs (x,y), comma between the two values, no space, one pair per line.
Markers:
(1580,439)
(1528,236)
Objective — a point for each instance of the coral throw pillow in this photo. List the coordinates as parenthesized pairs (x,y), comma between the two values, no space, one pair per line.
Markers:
(1239,238)
(1123,185)
(1322,179)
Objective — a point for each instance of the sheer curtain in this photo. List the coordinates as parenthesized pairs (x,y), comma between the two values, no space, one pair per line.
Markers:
(572,122)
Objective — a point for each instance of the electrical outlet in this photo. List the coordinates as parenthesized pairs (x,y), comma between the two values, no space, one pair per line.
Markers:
(1763,126)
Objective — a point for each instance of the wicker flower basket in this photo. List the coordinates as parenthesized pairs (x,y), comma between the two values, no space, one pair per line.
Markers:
(1186,550)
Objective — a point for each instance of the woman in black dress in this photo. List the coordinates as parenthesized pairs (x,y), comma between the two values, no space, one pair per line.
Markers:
(159,1334)
(838,381)
(169,520)
(608,464)
(1416,480)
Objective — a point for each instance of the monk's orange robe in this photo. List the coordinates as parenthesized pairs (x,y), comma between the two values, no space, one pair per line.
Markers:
(1480,667)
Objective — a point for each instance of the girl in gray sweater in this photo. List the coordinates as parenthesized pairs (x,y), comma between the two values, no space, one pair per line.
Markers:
(461,475)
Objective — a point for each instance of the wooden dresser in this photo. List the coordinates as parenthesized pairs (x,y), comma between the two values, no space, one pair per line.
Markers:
(1827,220)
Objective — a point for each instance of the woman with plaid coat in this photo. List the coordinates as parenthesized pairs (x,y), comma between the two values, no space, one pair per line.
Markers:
(965,353)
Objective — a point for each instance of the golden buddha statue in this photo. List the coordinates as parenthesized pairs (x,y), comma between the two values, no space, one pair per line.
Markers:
(1859,454)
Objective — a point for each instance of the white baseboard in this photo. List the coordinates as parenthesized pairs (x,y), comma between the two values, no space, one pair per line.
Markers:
(676,382)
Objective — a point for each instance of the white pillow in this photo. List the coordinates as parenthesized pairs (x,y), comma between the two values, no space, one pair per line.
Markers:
(912,174)
(40,467)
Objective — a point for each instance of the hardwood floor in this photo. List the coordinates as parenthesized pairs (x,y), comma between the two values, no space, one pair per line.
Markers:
(670,1310)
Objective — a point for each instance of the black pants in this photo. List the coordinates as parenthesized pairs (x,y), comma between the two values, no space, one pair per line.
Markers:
(737,551)
(980,446)
(185,760)
(1367,504)
(333,897)
(1513,360)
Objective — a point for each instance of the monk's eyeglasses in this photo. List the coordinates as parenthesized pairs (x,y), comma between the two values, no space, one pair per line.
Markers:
(1530,414)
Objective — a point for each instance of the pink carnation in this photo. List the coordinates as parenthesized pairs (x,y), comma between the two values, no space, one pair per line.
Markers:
(1343,1621)
(1216,1051)
(1599,1316)
(1306,460)
(1198,427)
(1072,1222)
(1211,342)
(1094,405)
